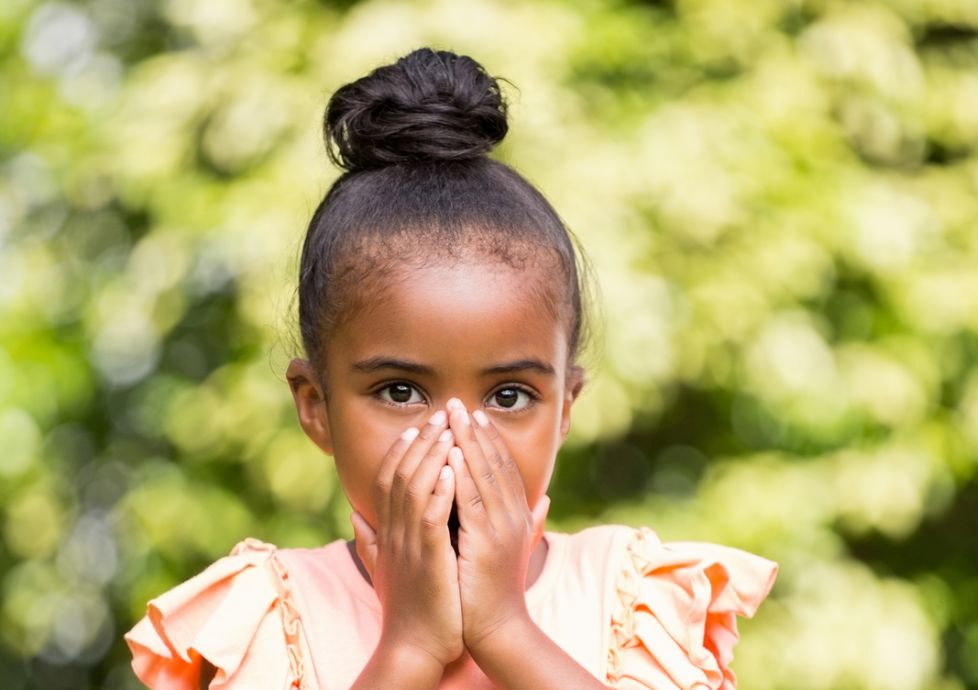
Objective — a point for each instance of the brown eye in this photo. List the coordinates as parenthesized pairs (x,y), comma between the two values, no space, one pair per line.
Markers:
(507,397)
(511,399)
(399,393)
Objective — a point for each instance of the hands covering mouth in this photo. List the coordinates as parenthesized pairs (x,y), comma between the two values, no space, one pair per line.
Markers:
(452,514)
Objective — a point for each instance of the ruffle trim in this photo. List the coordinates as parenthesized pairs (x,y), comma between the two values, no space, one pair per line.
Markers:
(291,626)
(674,615)
(224,615)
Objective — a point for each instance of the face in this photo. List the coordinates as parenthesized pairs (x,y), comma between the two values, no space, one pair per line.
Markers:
(474,331)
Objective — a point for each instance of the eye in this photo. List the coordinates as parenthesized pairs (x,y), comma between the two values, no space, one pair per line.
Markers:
(511,399)
(399,393)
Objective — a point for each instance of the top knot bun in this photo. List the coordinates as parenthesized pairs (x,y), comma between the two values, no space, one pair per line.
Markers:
(427,106)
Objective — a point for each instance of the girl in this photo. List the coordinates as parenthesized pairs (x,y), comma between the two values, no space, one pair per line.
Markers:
(441,312)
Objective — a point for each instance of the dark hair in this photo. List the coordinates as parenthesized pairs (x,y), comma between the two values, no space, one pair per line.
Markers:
(413,138)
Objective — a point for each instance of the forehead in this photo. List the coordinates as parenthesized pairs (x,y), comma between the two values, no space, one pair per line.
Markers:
(465,311)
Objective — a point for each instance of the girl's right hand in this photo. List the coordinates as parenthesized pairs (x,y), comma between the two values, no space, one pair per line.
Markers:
(409,557)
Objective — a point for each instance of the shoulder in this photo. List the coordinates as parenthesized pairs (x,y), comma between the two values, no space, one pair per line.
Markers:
(640,552)
(670,607)
(596,537)
(236,617)
(674,608)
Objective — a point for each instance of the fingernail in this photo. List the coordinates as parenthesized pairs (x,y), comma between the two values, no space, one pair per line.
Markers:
(461,418)
(454,404)
(446,473)
(409,434)
(438,418)
(446,436)
(456,453)
(480,417)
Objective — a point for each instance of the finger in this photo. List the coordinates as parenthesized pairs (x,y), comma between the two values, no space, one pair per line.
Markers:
(385,475)
(418,492)
(499,455)
(480,469)
(404,470)
(366,542)
(539,517)
(434,521)
(507,472)
(467,496)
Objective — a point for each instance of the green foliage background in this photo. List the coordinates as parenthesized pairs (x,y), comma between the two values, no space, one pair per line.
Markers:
(779,198)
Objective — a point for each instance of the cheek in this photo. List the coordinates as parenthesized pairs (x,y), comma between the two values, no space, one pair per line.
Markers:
(534,450)
(359,451)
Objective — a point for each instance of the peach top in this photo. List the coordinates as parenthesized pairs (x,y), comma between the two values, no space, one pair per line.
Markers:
(635,612)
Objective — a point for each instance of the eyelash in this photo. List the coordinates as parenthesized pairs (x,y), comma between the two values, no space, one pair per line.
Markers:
(533,397)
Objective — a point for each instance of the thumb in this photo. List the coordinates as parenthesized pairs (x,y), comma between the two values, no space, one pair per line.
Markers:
(539,515)
(366,542)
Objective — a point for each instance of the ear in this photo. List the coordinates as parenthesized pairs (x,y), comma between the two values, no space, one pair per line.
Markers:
(310,403)
(575,383)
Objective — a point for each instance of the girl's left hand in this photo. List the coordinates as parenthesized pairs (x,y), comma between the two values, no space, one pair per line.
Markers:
(497,529)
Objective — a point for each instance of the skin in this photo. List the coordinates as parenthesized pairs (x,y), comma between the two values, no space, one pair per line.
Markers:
(454,385)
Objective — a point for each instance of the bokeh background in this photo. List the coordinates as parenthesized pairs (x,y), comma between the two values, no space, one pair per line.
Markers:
(779,199)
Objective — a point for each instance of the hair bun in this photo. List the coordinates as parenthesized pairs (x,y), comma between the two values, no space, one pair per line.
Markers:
(427,106)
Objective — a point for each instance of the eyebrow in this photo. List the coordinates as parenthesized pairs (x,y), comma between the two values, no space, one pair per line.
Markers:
(369,366)
(373,364)
(530,364)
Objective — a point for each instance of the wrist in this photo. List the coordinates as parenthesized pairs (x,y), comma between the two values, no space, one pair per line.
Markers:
(502,656)
(510,632)
(401,666)
(409,658)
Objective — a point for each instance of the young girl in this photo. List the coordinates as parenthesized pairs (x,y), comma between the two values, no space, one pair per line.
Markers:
(441,312)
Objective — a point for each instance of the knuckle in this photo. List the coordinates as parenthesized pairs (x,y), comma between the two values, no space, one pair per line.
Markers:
(514,470)
(430,524)
(402,477)
(414,493)
(382,487)
(512,467)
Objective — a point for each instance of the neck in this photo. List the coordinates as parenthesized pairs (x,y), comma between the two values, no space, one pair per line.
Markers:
(537,558)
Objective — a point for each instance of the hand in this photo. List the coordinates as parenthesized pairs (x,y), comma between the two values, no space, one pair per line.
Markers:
(409,557)
(497,531)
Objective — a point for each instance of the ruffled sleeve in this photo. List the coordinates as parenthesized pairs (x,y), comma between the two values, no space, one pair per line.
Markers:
(237,614)
(674,618)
